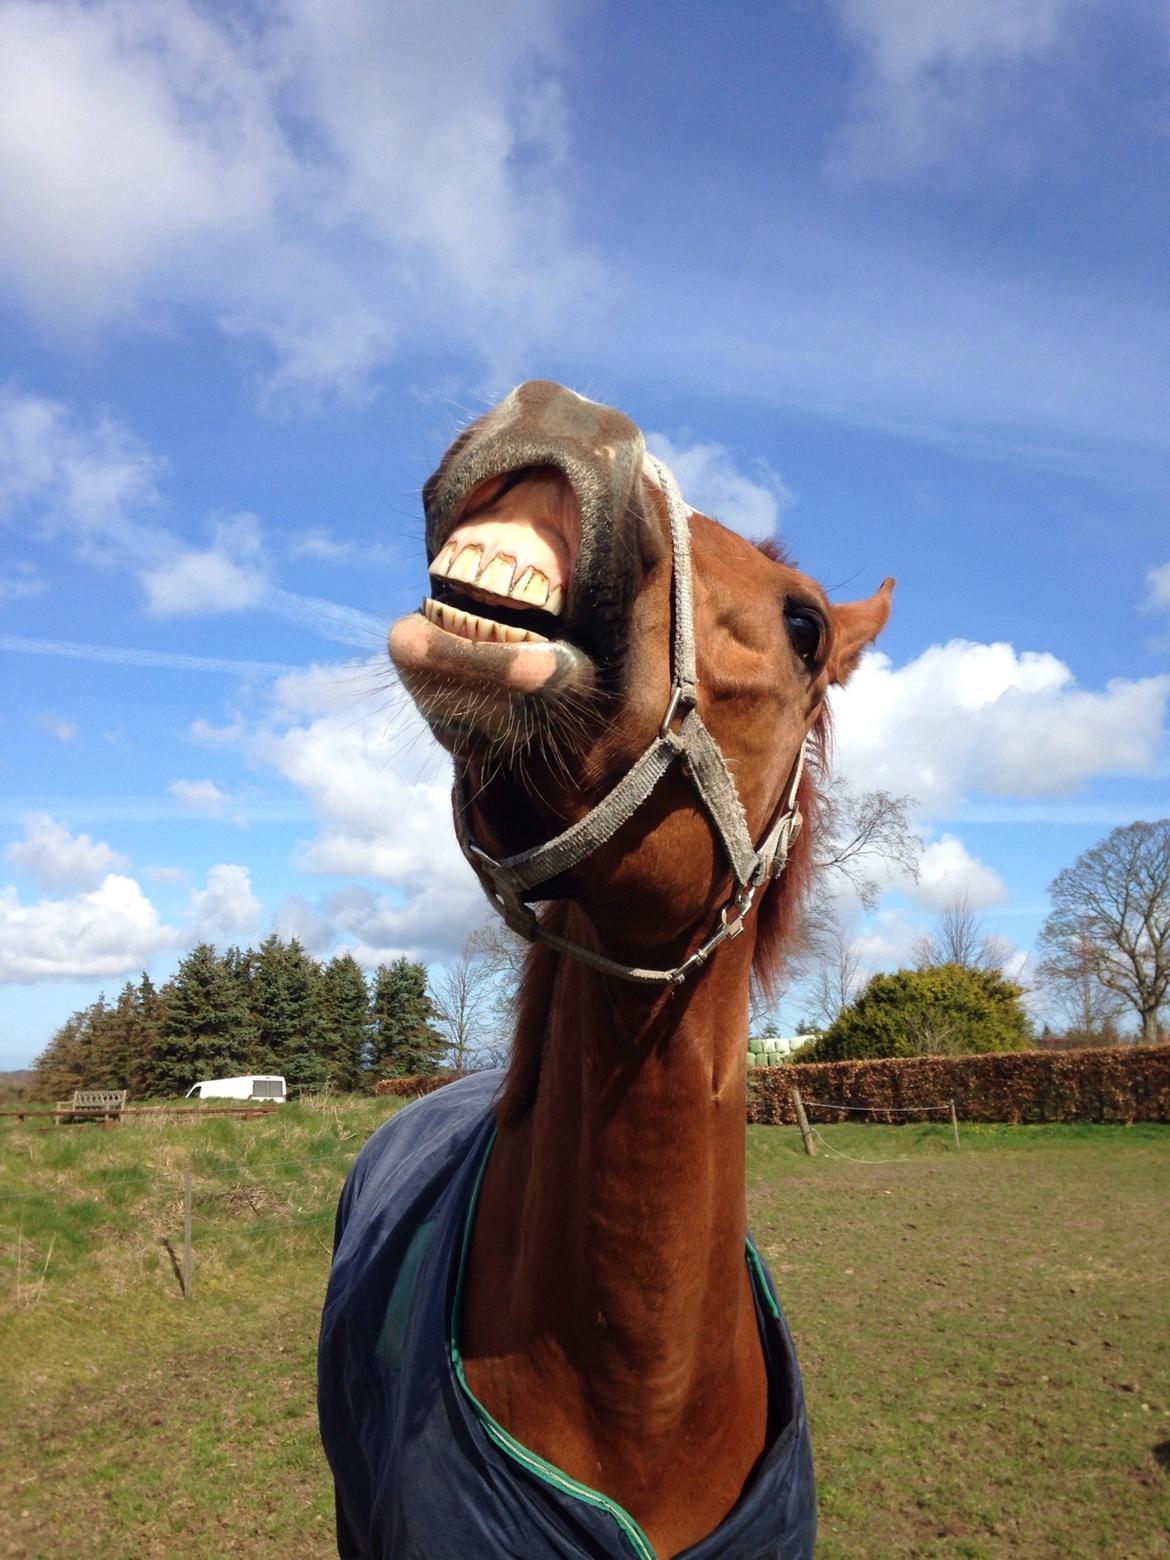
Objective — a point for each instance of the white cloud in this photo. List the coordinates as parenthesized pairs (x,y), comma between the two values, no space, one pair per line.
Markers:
(115,928)
(21,582)
(963,718)
(711,482)
(381,791)
(55,858)
(228,576)
(131,136)
(324,548)
(57,726)
(936,76)
(888,940)
(207,735)
(1159,581)
(227,907)
(324,179)
(110,931)
(201,797)
(948,874)
(91,481)
(296,917)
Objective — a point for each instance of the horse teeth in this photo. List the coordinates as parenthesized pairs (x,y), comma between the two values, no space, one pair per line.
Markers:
(531,587)
(442,564)
(556,601)
(496,575)
(468,625)
(466,563)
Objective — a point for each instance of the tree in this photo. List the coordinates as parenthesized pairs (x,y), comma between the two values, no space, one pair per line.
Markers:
(61,1066)
(150,1014)
(345,1015)
(405,1040)
(959,938)
(286,1014)
(1112,907)
(837,977)
(464,995)
(947,1009)
(112,1041)
(1068,972)
(862,838)
(206,1028)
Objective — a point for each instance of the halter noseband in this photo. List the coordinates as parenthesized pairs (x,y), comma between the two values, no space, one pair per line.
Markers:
(509,884)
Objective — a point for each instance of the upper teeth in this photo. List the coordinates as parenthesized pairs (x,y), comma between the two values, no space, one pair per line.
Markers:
(498,576)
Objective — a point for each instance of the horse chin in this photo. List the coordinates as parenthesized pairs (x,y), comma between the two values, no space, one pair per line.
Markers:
(469,690)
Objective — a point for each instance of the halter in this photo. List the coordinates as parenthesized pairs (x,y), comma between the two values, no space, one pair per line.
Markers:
(509,884)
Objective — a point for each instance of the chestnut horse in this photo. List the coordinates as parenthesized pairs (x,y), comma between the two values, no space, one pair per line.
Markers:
(546,1332)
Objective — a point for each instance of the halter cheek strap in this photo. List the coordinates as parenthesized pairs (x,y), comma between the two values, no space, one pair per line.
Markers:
(511,883)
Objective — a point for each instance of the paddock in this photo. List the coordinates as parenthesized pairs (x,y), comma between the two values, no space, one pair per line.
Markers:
(979,1334)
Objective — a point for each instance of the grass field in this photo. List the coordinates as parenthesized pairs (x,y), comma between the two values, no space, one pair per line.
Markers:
(984,1334)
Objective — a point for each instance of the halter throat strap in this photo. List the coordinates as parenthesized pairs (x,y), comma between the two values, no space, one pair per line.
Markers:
(511,883)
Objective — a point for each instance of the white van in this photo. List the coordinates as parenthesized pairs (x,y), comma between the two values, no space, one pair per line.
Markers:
(251,1087)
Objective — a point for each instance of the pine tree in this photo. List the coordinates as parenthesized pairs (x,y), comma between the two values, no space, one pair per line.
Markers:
(345,1008)
(405,1040)
(286,1013)
(112,1037)
(61,1066)
(205,1031)
(149,1015)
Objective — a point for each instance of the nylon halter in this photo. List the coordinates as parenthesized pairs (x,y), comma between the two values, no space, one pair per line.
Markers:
(511,883)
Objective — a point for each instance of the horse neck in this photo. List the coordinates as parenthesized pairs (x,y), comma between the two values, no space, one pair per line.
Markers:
(609,1243)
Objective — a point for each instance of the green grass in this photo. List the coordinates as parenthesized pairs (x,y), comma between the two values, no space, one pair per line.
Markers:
(983,1334)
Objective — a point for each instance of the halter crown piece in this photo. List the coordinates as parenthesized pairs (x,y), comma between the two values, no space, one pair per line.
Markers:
(511,883)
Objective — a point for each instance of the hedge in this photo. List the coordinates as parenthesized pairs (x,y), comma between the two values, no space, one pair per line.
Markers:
(416,1085)
(1122,1083)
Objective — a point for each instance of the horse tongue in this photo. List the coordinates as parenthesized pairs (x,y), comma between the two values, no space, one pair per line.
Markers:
(534,524)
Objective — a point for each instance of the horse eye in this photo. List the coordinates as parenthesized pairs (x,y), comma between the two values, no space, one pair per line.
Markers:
(805,629)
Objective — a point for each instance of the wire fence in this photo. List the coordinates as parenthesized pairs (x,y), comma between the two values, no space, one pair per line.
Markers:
(812,1135)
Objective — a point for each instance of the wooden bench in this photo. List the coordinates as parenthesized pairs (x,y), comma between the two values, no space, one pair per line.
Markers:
(106,1103)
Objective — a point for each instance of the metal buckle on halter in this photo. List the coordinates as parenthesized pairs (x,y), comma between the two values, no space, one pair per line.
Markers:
(678,695)
(513,910)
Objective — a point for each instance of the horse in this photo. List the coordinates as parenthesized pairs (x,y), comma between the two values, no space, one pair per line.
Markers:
(547,1332)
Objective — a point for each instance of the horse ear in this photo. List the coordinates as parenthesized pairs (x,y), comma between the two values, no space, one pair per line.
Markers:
(855,625)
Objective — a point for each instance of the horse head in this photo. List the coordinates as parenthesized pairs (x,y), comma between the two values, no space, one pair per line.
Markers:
(583,622)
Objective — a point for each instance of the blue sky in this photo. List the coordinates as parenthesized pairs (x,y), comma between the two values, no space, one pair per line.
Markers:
(889,278)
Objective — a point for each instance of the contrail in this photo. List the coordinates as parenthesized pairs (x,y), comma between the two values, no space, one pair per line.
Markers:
(164,660)
(344,625)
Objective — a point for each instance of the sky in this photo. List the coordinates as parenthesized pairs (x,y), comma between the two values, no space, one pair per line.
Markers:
(886,278)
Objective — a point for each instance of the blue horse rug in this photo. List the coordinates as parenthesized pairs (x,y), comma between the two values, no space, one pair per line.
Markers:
(421,1470)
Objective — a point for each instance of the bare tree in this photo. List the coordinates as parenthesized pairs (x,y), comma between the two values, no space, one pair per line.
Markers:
(1113,905)
(861,836)
(838,975)
(462,996)
(1068,972)
(475,997)
(959,937)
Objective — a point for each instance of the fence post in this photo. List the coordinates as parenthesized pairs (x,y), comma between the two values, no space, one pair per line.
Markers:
(955,1123)
(810,1147)
(187,1234)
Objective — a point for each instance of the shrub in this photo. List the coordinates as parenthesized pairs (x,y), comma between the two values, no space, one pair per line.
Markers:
(944,1010)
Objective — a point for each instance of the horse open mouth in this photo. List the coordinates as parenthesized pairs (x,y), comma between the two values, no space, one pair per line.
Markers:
(496,626)
(503,574)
